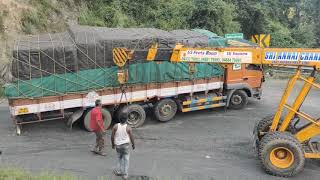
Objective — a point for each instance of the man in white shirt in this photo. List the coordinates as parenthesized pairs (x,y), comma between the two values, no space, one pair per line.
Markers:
(121,138)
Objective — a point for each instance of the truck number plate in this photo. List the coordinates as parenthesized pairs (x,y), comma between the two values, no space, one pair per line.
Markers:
(23,110)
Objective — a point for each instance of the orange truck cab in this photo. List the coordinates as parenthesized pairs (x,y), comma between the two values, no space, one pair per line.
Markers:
(242,81)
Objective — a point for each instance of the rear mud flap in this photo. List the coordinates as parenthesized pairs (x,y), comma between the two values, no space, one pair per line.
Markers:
(74,117)
(254,140)
(229,94)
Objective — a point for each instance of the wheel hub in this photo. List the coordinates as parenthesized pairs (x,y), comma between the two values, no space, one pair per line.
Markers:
(281,157)
(166,109)
(133,117)
(236,99)
(281,154)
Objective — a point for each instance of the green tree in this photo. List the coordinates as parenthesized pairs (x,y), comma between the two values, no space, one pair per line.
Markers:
(291,23)
(215,15)
(105,13)
(252,16)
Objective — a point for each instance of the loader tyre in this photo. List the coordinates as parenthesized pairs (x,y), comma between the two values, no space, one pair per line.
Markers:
(106,118)
(238,100)
(165,110)
(263,127)
(281,154)
(135,113)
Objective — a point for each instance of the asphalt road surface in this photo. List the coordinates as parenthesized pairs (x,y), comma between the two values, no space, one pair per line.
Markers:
(208,144)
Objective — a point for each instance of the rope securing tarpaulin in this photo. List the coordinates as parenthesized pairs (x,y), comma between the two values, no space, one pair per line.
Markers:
(81,60)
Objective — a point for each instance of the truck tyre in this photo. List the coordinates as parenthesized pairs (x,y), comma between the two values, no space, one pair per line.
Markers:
(136,115)
(106,118)
(281,154)
(165,109)
(238,100)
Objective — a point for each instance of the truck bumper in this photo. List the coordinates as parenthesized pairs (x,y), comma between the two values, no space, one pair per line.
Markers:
(257,93)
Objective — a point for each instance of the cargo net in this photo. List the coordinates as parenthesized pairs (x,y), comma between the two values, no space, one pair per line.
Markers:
(81,60)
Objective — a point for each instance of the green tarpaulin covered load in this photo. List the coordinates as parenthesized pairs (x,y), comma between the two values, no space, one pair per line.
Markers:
(139,73)
(81,60)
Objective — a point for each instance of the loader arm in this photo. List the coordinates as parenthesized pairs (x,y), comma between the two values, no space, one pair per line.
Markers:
(250,55)
(301,57)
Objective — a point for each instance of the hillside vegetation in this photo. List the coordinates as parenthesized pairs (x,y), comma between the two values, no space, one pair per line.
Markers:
(292,23)
(21,17)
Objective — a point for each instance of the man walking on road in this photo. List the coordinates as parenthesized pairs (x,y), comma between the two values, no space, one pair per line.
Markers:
(120,139)
(97,125)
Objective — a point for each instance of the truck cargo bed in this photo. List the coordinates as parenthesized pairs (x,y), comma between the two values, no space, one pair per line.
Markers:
(112,96)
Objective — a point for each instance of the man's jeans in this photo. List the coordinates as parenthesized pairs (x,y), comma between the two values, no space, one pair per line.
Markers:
(123,158)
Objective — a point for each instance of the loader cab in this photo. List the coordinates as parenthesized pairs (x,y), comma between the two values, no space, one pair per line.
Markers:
(247,77)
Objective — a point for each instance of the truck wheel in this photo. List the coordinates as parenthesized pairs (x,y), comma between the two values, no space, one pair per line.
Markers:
(281,154)
(238,100)
(106,118)
(165,110)
(136,115)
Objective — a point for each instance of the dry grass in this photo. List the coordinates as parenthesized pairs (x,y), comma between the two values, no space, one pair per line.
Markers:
(8,173)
